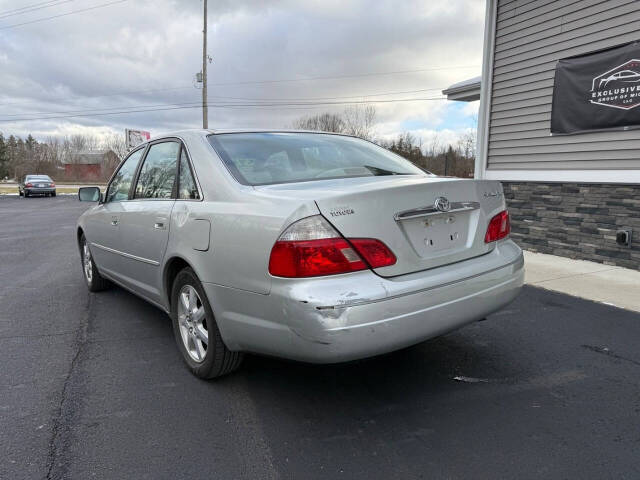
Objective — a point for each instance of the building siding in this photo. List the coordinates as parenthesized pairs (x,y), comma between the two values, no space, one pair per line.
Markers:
(530,37)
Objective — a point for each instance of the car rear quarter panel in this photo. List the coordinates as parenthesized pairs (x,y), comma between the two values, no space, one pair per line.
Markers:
(242,234)
(243,225)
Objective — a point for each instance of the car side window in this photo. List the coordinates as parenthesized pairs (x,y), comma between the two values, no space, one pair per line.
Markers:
(158,172)
(187,188)
(121,183)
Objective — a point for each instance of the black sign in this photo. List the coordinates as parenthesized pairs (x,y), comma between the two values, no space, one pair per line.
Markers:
(597,91)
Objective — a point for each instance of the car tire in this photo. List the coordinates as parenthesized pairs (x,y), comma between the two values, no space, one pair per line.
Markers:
(193,321)
(53,194)
(95,281)
(26,194)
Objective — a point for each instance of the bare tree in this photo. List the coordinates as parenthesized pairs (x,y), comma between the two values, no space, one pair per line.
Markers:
(360,121)
(116,143)
(434,147)
(466,144)
(437,158)
(324,122)
(55,145)
(354,120)
(74,144)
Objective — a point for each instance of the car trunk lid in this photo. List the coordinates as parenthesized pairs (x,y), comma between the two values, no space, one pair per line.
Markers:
(40,183)
(425,223)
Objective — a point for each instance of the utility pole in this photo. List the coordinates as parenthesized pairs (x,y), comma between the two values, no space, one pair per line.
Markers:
(205,109)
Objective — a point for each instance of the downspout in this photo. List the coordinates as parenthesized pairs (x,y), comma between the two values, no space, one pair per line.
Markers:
(484,112)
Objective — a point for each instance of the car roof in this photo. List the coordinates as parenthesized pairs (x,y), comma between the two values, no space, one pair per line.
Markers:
(201,132)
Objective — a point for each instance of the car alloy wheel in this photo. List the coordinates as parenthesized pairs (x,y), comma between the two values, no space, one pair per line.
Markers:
(95,281)
(86,263)
(196,331)
(192,322)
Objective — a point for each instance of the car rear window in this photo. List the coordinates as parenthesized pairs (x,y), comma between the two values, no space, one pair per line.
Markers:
(272,157)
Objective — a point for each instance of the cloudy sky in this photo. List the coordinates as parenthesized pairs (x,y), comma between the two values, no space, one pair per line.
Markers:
(111,56)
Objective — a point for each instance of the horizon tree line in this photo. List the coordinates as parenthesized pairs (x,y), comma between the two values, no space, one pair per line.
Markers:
(451,159)
(20,156)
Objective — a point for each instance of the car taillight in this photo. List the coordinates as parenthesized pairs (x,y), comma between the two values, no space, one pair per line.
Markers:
(375,253)
(311,247)
(53,184)
(499,227)
(29,185)
(313,258)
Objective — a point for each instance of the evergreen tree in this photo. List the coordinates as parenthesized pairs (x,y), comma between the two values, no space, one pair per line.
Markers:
(30,143)
(12,155)
(4,158)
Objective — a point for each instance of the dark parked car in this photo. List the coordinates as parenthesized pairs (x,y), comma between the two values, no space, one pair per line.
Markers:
(37,185)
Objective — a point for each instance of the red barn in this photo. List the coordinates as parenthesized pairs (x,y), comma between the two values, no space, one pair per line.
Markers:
(91,165)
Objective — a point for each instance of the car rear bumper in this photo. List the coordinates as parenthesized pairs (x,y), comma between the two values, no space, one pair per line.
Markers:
(39,191)
(357,315)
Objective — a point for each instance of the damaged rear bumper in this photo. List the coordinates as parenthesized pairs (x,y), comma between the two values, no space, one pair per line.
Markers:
(357,315)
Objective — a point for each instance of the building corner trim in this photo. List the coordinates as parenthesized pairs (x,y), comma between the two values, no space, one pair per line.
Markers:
(486,89)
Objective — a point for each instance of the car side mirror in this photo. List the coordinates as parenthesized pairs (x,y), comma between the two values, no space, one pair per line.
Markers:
(89,194)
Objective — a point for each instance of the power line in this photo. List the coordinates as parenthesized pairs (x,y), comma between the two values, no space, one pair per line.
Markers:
(258,82)
(92,110)
(106,111)
(356,75)
(63,14)
(226,105)
(131,92)
(362,95)
(28,6)
(116,94)
(222,98)
(33,8)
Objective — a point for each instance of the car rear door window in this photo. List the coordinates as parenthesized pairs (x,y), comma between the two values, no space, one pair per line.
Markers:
(158,173)
(121,183)
(187,189)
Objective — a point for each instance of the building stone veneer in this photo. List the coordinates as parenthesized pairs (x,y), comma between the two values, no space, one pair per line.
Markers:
(575,220)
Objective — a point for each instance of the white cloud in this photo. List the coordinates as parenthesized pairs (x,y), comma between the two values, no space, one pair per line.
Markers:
(65,129)
(471,109)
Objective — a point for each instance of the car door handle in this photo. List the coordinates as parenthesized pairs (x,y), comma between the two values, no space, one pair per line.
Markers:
(159,225)
(114,222)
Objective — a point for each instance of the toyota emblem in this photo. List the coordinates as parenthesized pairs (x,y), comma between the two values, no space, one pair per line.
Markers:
(442,204)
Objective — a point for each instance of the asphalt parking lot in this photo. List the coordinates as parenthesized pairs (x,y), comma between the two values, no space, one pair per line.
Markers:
(92,386)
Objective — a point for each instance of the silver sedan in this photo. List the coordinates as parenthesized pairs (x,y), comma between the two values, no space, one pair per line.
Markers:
(310,246)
